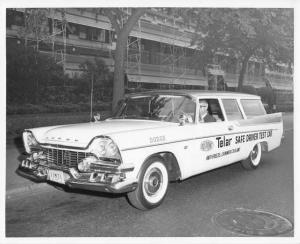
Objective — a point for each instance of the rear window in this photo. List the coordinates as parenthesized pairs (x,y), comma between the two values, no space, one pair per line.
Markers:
(252,107)
(232,109)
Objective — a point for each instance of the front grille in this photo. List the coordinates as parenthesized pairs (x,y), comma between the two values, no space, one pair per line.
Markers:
(64,158)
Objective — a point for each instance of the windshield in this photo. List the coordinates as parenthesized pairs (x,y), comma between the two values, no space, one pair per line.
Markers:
(160,107)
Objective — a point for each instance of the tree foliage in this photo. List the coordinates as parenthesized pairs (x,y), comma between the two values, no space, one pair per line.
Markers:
(28,73)
(35,26)
(98,72)
(243,33)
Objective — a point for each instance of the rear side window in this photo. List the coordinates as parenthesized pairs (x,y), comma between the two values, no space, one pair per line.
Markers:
(252,107)
(232,109)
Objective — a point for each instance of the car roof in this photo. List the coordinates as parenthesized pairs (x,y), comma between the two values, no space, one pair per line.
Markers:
(196,93)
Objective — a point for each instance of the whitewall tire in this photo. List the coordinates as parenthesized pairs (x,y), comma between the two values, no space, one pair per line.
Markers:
(254,157)
(152,185)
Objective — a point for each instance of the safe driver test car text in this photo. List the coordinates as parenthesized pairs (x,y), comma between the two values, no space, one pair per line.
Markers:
(153,139)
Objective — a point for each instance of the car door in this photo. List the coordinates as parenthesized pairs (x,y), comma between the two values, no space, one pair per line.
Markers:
(214,145)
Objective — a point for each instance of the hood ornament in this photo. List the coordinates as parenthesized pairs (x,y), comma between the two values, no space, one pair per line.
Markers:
(96,117)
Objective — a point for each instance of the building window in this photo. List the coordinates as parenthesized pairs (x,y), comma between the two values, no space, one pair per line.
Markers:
(101,35)
(92,34)
(107,36)
(73,29)
(14,18)
(82,32)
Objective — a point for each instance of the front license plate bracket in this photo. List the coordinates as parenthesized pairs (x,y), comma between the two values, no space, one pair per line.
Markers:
(56,176)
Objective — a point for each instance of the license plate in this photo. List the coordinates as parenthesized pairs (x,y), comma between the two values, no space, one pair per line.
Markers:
(56,176)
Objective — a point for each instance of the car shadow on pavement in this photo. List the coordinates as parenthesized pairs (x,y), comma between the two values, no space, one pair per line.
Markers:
(85,192)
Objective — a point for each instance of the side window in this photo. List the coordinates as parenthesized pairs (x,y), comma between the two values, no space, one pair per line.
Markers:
(253,107)
(213,109)
(232,109)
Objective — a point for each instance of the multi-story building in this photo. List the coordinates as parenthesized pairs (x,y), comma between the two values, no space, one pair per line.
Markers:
(159,51)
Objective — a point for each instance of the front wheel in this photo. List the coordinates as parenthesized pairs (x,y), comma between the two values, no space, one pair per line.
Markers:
(152,185)
(254,158)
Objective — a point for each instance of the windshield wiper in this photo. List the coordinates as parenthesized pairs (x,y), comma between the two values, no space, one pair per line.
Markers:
(130,117)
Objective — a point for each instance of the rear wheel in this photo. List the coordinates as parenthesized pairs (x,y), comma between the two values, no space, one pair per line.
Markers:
(254,158)
(152,186)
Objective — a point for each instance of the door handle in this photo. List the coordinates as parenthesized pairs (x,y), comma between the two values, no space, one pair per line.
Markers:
(230,127)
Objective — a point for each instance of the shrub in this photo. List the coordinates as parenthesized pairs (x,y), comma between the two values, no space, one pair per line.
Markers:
(249,89)
(25,109)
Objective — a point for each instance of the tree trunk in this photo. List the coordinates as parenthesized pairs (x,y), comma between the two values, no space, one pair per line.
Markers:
(122,31)
(118,84)
(26,27)
(243,71)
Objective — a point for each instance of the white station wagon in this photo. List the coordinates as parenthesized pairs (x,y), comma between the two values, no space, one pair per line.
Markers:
(154,138)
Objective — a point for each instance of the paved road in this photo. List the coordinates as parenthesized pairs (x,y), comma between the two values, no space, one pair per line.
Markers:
(187,210)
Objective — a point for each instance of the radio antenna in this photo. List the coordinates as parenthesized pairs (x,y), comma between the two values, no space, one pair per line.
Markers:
(92,91)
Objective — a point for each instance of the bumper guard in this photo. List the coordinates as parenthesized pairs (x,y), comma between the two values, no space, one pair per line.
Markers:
(74,180)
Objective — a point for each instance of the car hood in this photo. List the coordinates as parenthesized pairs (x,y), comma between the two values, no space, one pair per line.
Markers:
(80,135)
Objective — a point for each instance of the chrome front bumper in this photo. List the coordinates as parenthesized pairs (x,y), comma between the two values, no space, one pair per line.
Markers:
(77,180)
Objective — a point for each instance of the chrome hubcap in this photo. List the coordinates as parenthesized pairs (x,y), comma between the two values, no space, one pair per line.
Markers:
(153,181)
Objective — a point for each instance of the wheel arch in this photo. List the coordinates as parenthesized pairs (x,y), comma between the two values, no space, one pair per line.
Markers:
(264,146)
(170,161)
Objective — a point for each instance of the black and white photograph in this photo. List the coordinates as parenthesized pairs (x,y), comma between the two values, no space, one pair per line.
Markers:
(128,121)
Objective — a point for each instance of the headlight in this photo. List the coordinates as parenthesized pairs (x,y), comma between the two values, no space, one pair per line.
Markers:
(29,141)
(105,148)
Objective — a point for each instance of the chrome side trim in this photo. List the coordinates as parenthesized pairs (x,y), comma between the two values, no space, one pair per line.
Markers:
(265,119)
(191,139)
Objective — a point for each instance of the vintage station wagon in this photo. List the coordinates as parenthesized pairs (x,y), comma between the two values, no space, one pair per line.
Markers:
(154,138)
